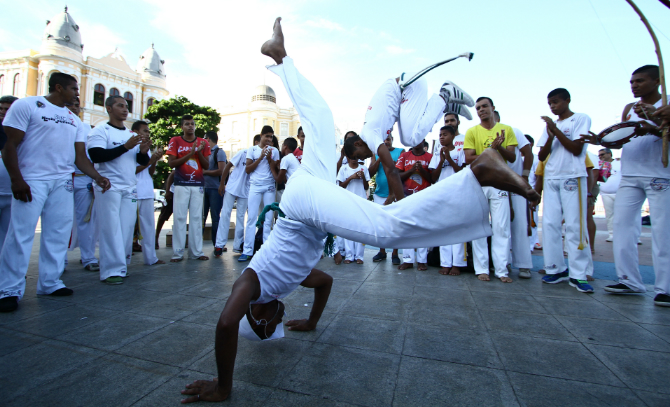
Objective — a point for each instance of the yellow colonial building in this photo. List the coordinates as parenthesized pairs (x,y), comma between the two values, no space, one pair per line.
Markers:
(27,72)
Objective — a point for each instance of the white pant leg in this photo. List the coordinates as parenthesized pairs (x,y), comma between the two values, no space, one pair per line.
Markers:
(5,216)
(421,255)
(86,231)
(111,208)
(128,213)
(480,255)
(254,201)
(658,194)
(242,204)
(350,249)
(341,246)
(147,230)
(552,217)
(519,234)
(447,256)
(383,111)
(500,223)
(576,231)
(534,238)
(408,256)
(180,202)
(417,117)
(195,221)
(608,203)
(224,220)
(360,251)
(458,258)
(268,199)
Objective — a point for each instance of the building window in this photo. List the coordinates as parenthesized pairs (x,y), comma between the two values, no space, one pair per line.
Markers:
(114,92)
(151,102)
(265,122)
(17,84)
(99,95)
(129,99)
(283,129)
(267,98)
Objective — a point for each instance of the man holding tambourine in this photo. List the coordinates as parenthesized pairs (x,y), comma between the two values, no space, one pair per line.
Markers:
(642,177)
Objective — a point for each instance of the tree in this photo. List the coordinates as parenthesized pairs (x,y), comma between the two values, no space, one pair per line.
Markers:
(165,122)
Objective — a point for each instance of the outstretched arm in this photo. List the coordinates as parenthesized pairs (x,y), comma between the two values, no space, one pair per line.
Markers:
(392,175)
(321,283)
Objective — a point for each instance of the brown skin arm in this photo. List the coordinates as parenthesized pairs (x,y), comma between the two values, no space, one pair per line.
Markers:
(539,179)
(277,174)
(224,176)
(346,182)
(215,172)
(392,174)
(470,155)
(168,184)
(321,283)
(86,166)
(175,162)
(151,165)
(252,165)
(204,162)
(592,177)
(527,154)
(374,166)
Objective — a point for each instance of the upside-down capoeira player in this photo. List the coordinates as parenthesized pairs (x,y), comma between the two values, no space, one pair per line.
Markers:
(313,206)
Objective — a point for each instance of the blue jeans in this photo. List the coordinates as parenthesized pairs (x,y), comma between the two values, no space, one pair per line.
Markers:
(213,202)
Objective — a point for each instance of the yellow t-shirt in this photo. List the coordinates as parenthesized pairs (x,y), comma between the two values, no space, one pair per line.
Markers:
(539,170)
(479,139)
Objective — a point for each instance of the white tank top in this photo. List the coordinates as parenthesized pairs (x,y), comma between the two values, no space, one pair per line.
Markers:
(641,157)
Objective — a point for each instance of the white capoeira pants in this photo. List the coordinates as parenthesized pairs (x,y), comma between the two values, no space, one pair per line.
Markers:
(53,202)
(562,200)
(353,250)
(608,203)
(414,113)
(187,201)
(84,234)
(534,238)
(145,210)
(409,255)
(224,221)
(453,255)
(5,216)
(629,199)
(258,194)
(520,241)
(499,209)
(116,215)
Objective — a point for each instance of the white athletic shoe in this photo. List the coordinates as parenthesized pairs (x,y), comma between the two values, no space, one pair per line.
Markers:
(453,94)
(460,110)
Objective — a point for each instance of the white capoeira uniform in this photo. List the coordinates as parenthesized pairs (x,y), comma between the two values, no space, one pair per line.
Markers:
(354,250)
(237,189)
(642,177)
(520,256)
(565,189)
(5,201)
(46,161)
(415,115)
(116,209)
(608,191)
(145,211)
(532,178)
(314,205)
(262,189)
(450,255)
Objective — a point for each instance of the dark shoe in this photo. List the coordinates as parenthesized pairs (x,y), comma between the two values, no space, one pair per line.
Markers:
(225,249)
(218,251)
(395,260)
(9,304)
(137,247)
(62,292)
(662,300)
(379,257)
(620,289)
(157,246)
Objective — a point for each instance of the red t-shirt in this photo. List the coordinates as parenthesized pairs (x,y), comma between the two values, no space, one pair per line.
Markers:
(298,154)
(415,182)
(188,174)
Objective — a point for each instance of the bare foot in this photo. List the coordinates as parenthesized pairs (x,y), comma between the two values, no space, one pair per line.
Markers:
(455,271)
(347,262)
(505,279)
(359,261)
(445,271)
(159,262)
(338,258)
(405,266)
(203,258)
(274,47)
(491,171)
(176,260)
(483,277)
(422,266)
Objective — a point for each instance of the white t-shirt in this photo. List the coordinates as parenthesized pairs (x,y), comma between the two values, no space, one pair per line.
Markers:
(612,184)
(121,170)
(145,184)
(47,150)
(238,180)
(517,165)
(355,185)
(563,164)
(289,163)
(641,156)
(457,155)
(459,140)
(262,175)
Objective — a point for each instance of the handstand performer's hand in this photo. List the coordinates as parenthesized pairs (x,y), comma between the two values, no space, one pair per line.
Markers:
(205,390)
(300,325)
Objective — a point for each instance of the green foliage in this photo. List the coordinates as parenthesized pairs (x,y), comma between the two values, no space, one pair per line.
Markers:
(165,122)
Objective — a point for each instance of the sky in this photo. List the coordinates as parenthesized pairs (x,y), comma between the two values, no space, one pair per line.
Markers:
(523,48)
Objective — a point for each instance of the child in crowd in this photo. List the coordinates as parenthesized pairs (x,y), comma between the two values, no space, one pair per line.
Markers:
(354,177)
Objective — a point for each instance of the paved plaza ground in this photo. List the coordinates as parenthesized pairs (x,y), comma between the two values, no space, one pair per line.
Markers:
(387,337)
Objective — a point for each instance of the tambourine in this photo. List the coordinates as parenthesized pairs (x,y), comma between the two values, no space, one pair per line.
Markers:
(617,135)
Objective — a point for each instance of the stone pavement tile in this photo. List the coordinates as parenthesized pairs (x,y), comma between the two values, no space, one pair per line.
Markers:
(169,394)
(547,357)
(163,284)
(506,301)
(495,285)
(178,344)
(470,347)
(613,333)
(586,308)
(124,299)
(208,315)
(283,398)
(377,307)
(345,374)
(355,272)
(446,315)
(264,363)
(369,289)
(63,320)
(365,333)
(631,299)
(11,341)
(116,332)
(211,289)
(433,278)
(303,313)
(532,325)
(638,369)
(112,380)
(653,399)
(444,295)
(646,312)
(35,365)
(300,297)
(662,331)
(392,276)
(541,391)
(29,308)
(173,306)
(537,288)
(424,382)
(90,290)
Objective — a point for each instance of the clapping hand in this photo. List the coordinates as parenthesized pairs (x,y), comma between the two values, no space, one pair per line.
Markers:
(133,141)
(500,138)
(590,138)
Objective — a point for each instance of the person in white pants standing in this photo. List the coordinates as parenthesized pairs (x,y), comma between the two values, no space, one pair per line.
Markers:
(44,142)
(5,182)
(565,191)
(117,151)
(354,177)
(609,187)
(532,180)
(500,137)
(643,177)
(145,197)
(262,189)
(188,155)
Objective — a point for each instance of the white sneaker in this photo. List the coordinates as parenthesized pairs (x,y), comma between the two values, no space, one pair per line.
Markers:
(524,273)
(458,109)
(453,94)
(609,239)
